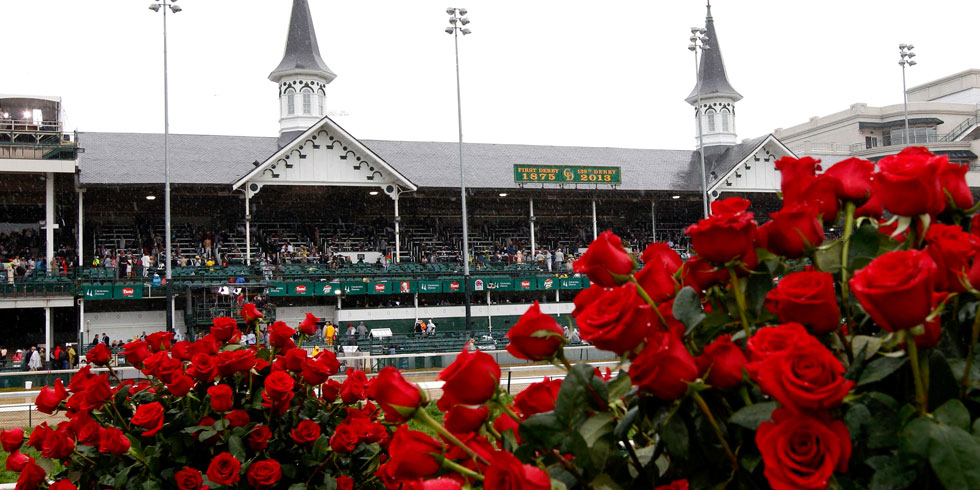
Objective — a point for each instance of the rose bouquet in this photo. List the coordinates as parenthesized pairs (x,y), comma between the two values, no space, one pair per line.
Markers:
(774,358)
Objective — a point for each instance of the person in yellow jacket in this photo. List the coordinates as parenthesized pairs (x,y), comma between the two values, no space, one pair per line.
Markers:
(316,351)
(328,333)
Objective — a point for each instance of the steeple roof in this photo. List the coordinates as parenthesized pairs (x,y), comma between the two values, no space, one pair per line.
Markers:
(302,54)
(714,80)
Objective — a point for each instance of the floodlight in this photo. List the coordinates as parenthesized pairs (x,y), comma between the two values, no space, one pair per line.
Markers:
(155,7)
(692,47)
(150,197)
(902,46)
(502,194)
(464,21)
(675,197)
(450,11)
(911,47)
(175,8)
(911,63)
(452,20)
(449,30)
(373,193)
(705,39)
(462,11)
(465,31)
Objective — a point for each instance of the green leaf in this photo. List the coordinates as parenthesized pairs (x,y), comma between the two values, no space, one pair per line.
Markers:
(913,441)
(580,392)
(619,386)
(122,477)
(687,308)
(236,448)
(152,485)
(297,486)
(597,426)
(855,418)
(321,448)
(827,256)
(889,473)
(755,292)
(976,427)
(751,416)
(954,414)
(543,428)
(605,482)
(880,369)
(866,343)
(676,437)
(943,384)
(863,247)
(626,423)
(953,455)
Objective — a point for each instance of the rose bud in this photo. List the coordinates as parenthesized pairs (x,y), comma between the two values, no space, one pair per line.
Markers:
(792,232)
(896,289)
(806,297)
(308,325)
(723,361)
(907,183)
(854,174)
(663,367)
(796,175)
(414,454)
(792,464)
(48,399)
(99,355)
(536,336)
(12,439)
(727,234)
(472,378)
(604,260)
(398,398)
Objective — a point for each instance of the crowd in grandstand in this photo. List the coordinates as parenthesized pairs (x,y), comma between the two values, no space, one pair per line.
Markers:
(22,257)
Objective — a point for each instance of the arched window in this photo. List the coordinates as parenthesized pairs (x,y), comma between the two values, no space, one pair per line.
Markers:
(290,102)
(320,96)
(724,120)
(307,101)
(710,115)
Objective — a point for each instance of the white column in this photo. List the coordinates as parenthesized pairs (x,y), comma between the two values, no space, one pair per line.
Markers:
(47,334)
(653,221)
(49,220)
(489,314)
(81,222)
(595,225)
(557,297)
(248,228)
(82,341)
(398,241)
(533,246)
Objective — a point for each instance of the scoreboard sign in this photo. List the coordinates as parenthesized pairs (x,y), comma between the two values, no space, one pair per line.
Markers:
(566,174)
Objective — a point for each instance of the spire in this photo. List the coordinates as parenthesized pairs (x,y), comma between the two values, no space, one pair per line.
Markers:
(302,54)
(714,80)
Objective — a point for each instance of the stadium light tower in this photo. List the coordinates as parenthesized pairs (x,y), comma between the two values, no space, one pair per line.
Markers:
(905,51)
(165,5)
(457,21)
(698,41)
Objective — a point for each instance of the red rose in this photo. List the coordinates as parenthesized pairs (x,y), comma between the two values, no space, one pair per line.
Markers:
(206,345)
(258,438)
(281,336)
(821,194)
(871,209)
(604,259)
(801,452)
(472,378)
(344,482)
(136,352)
(952,249)
(99,355)
(506,423)
(952,180)
(222,398)
(150,417)
(159,341)
(675,485)
(768,341)
(308,325)
(618,320)
(306,432)
(85,430)
(190,479)
(398,398)
(806,297)
(250,313)
(792,232)
(58,445)
(344,439)
(16,461)
(723,361)
(31,477)
(461,419)
(279,384)
(223,328)
(38,435)
(663,367)
(444,483)
(854,174)
(12,439)
(657,276)
(181,350)
(506,471)
(202,368)
(975,225)
(701,275)
(330,390)
(727,234)
(538,397)
(908,183)
(180,384)
(224,469)
(264,474)
(48,399)
(804,376)
(896,289)
(535,336)
(354,388)
(234,361)
(113,441)
(63,484)
(796,175)
(315,372)
(413,454)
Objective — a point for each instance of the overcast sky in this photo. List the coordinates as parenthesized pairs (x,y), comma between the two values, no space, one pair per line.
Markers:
(611,73)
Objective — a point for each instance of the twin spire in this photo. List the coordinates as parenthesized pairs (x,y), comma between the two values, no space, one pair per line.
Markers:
(714,79)
(302,54)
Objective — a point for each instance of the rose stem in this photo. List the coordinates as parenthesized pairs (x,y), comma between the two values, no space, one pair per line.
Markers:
(568,466)
(920,392)
(422,416)
(508,411)
(714,425)
(646,297)
(451,465)
(636,462)
(965,382)
(845,295)
(740,301)
(563,359)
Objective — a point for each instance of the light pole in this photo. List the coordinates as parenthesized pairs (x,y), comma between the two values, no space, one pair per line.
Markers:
(905,51)
(164,5)
(698,40)
(456,23)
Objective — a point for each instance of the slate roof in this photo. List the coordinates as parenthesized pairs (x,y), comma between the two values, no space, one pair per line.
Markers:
(137,158)
(714,79)
(302,53)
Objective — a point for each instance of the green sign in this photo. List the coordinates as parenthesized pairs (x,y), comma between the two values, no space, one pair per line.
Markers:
(566,174)
(300,289)
(128,291)
(430,286)
(493,284)
(547,283)
(571,283)
(326,288)
(94,291)
(276,289)
(355,287)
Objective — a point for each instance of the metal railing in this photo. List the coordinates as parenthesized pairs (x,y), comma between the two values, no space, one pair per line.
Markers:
(961,128)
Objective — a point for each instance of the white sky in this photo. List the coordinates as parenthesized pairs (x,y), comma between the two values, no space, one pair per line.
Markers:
(610,73)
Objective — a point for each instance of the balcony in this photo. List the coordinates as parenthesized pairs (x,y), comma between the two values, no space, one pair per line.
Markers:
(28,139)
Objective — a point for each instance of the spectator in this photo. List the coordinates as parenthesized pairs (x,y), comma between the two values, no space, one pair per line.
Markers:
(362,331)
(328,333)
(430,330)
(34,364)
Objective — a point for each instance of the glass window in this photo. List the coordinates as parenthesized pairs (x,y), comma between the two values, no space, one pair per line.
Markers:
(724,122)
(320,98)
(291,104)
(307,103)
(711,121)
